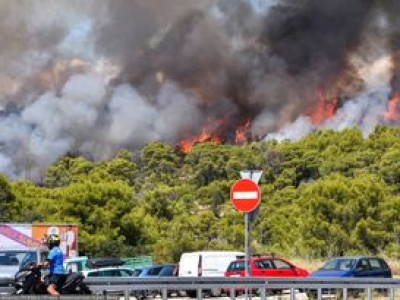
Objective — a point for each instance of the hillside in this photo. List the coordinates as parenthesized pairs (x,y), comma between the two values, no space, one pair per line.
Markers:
(330,193)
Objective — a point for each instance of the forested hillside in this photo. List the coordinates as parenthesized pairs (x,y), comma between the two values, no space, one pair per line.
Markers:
(331,193)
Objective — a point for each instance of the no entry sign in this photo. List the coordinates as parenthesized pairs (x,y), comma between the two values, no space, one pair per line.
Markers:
(245,195)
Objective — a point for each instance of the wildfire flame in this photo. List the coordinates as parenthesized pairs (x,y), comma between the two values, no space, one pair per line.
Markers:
(393,106)
(241,133)
(213,133)
(323,108)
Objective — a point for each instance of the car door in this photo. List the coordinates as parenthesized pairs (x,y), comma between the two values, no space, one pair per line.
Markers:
(263,268)
(362,268)
(378,268)
(283,269)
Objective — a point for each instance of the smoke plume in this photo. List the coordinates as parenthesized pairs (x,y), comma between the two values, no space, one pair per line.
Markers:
(90,77)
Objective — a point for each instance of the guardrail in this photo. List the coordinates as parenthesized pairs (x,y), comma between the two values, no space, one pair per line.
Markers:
(345,286)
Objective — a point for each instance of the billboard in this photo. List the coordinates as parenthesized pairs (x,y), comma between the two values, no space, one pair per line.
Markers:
(33,235)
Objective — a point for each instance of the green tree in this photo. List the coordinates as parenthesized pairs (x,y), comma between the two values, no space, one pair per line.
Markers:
(7,200)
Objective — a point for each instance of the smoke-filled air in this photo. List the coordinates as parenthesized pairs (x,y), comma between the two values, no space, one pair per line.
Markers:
(91,77)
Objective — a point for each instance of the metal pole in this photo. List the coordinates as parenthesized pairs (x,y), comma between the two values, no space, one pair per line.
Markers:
(249,242)
(246,244)
(246,250)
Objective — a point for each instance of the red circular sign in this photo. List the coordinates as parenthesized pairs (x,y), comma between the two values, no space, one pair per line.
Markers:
(245,195)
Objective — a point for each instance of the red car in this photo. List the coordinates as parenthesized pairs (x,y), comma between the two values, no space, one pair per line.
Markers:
(266,266)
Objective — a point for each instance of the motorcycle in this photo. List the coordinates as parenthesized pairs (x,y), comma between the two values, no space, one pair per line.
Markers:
(28,280)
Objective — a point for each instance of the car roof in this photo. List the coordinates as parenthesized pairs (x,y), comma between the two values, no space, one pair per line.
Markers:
(106,269)
(355,257)
(261,257)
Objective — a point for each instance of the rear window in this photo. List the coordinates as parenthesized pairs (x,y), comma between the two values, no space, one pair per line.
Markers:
(15,258)
(236,266)
(167,270)
(377,264)
(280,264)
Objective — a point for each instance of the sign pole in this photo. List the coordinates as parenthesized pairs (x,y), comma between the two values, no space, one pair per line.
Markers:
(245,197)
(246,244)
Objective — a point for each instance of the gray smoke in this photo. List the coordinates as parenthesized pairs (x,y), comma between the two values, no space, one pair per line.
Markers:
(90,77)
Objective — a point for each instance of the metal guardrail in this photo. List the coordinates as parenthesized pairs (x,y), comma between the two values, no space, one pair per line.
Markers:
(127,286)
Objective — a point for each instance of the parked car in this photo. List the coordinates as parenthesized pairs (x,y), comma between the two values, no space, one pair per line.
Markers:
(352,266)
(11,259)
(168,270)
(149,271)
(109,272)
(264,266)
(206,264)
(161,270)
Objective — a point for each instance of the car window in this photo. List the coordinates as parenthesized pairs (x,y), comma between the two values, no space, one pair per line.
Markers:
(363,264)
(17,257)
(167,270)
(154,271)
(111,273)
(345,264)
(280,264)
(94,274)
(137,272)
(383,263)
(126,273)
(339,264)
(263,264)
(376,264)
(236,266)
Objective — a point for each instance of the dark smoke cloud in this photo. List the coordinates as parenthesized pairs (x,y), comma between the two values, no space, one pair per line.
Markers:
(318,36)
(90,77)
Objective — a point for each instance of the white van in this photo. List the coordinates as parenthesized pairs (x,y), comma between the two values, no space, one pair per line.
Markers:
(206,264)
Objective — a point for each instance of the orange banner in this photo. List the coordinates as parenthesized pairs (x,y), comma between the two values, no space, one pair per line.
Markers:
(68,235)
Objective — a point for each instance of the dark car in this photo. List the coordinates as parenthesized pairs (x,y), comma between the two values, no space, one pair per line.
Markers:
(162,270)
(354,266)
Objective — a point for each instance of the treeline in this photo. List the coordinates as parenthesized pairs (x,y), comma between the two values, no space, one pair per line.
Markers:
(331,193)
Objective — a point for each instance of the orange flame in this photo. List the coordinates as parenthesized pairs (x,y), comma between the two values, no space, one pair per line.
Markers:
(212,132)
(208,134)
(240,133)
(324,109)
(186,145)
(392,112)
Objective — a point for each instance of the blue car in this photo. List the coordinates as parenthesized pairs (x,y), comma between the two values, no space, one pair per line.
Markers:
(354,266)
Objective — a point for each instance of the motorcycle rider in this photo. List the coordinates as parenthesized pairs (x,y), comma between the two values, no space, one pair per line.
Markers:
(54,261)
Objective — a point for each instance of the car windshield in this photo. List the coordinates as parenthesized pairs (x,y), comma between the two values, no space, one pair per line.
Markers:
(16,257)
(342,264)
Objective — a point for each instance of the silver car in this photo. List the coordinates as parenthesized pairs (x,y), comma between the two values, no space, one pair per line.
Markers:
(11,259)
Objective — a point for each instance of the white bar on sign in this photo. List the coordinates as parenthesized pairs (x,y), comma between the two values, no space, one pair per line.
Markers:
(245,195)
